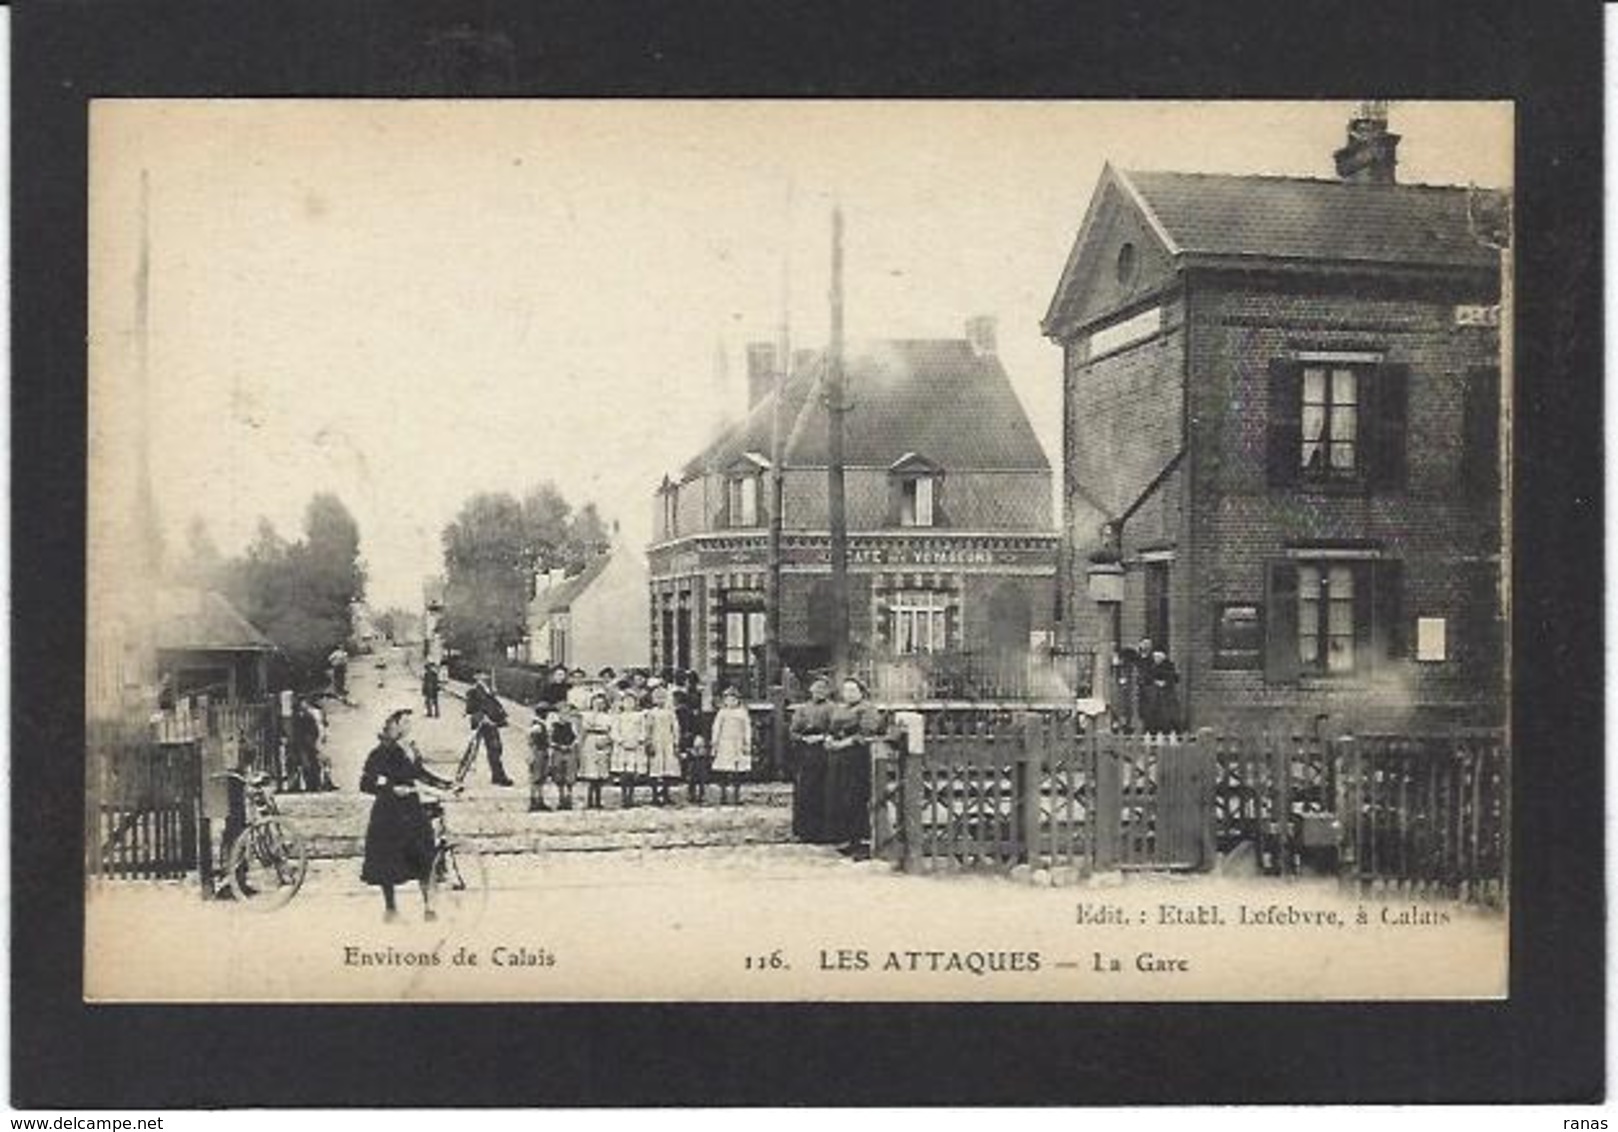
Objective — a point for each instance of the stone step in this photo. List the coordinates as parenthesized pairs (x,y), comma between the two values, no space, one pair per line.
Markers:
(333,825)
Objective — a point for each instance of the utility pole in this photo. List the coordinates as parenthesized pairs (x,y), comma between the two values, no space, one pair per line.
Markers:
(773,676)
(836,406)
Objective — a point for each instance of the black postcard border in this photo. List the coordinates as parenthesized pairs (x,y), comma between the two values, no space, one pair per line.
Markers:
(1545,1044)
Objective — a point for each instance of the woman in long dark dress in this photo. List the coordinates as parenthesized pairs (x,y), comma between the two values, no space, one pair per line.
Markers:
(854,722)
(399,838)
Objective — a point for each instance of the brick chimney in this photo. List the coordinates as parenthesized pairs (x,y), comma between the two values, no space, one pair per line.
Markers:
(1370,156)
(760,371)
(980,334)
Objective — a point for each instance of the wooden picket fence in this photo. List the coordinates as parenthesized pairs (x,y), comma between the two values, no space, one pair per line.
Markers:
(1425,814)
(143,798)
(144,783)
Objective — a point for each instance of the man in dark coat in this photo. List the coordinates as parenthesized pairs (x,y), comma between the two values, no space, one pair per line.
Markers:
(487,715)
(305,746)
(430,682)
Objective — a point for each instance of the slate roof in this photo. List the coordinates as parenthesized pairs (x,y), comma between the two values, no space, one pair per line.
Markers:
(1296,218)
(560,597)
(204,621)
(932,396)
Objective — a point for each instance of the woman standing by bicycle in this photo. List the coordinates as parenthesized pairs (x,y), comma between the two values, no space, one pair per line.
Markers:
(399,838)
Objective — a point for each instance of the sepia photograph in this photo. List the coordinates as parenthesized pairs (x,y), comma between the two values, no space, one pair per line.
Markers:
(798,551)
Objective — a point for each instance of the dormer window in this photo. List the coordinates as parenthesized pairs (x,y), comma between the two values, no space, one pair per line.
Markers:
(743,487)
(916,502)
(744,501)
(917,484)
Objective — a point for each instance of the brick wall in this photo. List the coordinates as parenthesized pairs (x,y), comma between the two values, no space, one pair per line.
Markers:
(1123,427)
(1237,521)
(1124,416)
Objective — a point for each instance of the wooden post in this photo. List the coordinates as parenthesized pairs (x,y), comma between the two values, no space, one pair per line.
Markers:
(1034,750)
(836,406)
(910,802)
(1108,800)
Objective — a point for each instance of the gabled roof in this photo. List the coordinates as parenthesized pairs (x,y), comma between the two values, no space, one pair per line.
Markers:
(560,597)
(1249,220)
(204,621)
(897,390)
(1300,218)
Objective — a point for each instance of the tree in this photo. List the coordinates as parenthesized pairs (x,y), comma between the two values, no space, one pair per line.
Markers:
(546,526)
(493,550)
(299,594)
(587,537)
(398,624)
(487,567)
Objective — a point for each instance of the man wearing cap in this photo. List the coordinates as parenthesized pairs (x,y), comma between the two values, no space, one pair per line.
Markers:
(487,715)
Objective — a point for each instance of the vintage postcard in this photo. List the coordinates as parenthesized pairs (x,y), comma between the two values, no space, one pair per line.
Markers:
(798,551)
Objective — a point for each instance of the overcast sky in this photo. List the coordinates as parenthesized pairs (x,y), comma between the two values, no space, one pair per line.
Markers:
(407,302)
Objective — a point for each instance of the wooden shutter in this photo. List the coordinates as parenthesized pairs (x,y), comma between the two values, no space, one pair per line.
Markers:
(1281,622)
(1480,434)
(896,494)
(1388,438)
(1284,422)
(940,516)
(1387,596)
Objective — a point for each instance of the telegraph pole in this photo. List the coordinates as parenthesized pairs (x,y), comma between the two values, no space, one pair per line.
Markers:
(774,679)
(836,406)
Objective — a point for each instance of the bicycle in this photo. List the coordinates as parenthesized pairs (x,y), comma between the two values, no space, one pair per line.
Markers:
(267,861)
(458,882)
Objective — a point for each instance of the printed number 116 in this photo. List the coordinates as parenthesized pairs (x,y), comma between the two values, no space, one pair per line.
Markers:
(771,962)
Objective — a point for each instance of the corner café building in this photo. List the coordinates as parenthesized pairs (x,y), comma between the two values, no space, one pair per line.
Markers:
(951,548)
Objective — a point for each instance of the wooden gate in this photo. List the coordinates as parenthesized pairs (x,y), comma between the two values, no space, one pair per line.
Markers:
(143,799)
(1041,790)
(1153,802)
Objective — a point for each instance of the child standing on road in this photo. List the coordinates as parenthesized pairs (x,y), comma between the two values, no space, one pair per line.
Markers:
(564,731)
(697,761)
(663,746)
(595,753)
(539,760)
(628,746)
(732,746)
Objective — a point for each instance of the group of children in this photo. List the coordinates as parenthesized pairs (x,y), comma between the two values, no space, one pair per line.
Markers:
(632,736)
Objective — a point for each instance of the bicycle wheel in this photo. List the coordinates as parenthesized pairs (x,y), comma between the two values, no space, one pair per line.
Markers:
(469,757)
(459,884)
(267,864)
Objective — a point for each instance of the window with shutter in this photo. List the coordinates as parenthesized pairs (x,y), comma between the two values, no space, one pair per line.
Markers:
(1281,622)
(1337,422)
(1344,617)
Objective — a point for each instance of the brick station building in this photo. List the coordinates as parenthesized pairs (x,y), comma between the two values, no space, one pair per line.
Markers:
(952,548)
(1282,415)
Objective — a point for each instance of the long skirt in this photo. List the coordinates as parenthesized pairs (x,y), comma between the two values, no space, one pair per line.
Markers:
(594,757)
(629,760)
(848,794)
(398,841)
(809,808)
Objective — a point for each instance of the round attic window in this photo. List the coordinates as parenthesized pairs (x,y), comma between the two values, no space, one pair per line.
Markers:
(1127,265)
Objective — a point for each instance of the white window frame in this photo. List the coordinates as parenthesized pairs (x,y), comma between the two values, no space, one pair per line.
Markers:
(916,494)
(743,501)
(919,622)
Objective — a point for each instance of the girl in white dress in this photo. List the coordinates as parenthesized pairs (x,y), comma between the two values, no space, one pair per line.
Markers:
(663,747)
(595,749)
(732,746)
(628,746)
